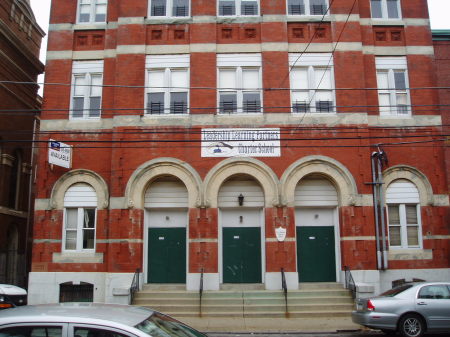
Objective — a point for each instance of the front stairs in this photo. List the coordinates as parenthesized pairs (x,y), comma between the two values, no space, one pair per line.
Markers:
(244,305)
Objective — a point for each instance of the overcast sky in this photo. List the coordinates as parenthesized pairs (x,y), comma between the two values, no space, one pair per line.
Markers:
(439,14)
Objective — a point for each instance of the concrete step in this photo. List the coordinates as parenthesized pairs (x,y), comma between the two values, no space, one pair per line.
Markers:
(142,299)
(320,300)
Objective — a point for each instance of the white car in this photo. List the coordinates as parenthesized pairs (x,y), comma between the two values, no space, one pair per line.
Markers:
(12,296)
(90,320)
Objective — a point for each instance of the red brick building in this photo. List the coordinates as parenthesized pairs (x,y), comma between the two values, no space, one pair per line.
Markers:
(20,41)
(237,138)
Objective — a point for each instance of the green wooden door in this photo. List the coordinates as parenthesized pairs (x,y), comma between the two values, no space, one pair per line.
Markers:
(316,254)
(166,255)
(242,255)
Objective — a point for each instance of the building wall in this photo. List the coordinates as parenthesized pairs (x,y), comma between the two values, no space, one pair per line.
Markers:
(20,39)
(135,149)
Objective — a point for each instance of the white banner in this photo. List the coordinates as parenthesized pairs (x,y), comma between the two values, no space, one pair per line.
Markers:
(59,154)
(241,143)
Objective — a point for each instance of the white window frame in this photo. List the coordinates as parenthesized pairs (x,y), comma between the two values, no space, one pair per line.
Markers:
(238,8)
(313,62)
(78,198)
(307,8)
(93,4)
(79,229)
(168,64)
(404,227)
(391,65)
(168,11)
(238,63)
(405,194)
(384,10)
(86,69)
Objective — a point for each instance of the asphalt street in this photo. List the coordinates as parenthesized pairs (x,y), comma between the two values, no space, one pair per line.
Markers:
(370,333)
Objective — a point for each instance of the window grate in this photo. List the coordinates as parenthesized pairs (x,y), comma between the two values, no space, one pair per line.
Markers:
(324,106)
(318,9)
(300,107)
(180,11)
(155,108)
(252,107)
(158,10)
(69,292)
(178,107)
(296,9)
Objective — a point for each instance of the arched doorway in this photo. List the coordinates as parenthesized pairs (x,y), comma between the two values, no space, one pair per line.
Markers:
(166,218)
(316,202)
(241,203)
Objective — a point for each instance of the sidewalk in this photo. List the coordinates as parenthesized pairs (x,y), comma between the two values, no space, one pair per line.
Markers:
(241,324)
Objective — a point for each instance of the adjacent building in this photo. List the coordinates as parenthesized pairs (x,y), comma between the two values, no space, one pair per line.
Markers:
(20,41)
(236,139)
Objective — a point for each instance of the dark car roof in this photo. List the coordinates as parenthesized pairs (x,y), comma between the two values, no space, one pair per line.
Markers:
(76,312)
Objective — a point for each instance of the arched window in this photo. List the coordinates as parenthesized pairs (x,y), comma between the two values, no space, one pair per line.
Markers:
(80,205)
(14,180)
(403,207)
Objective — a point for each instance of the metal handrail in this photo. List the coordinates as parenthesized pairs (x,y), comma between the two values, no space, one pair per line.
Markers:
(284,286)
(201,293)
(349,281)
(134,284)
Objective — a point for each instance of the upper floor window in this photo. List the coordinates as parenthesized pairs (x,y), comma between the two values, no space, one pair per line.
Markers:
(167,84)
(238,7)
(403,205)
(392,82)
(92,11)
(307,7)
(312,83)
(15,180)
(80,205)
(239,82)
(87,81)
(169,8)
(385,9)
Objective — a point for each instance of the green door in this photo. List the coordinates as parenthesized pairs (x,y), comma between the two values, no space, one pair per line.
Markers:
(166,255)
(241,255)
(316,254)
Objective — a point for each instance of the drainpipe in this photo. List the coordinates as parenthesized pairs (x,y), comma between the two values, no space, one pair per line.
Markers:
(375,206)
(382,210)
(377,159)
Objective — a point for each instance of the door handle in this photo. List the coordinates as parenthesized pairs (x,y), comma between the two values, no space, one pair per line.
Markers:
(421,303)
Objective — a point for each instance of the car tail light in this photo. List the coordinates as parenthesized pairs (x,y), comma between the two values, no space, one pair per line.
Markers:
(370,306)
(5,305)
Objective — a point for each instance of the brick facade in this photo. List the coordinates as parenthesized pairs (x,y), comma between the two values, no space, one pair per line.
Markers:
(127,150)
(20,40)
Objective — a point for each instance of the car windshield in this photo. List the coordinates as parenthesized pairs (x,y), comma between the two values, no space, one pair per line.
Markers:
(158,325)
(396,291)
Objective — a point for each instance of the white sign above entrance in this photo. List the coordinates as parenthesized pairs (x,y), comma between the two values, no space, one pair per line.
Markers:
(59,154)
(241,143)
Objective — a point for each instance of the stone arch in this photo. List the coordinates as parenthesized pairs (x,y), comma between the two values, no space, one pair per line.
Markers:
(330,168)
(413,175)
(149,171)
(80,176)
(249,166)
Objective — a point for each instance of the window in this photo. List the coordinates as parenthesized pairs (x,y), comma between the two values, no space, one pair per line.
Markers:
(87,81)
(69,292)
(80,202)
(238,7)
(312,83)
(307,7)
(239,82)
(392,82)
(385,9)
(403,206)
(15,181)
(169,8)
(167,84)
(92,11)
(32,331)
(436,292)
